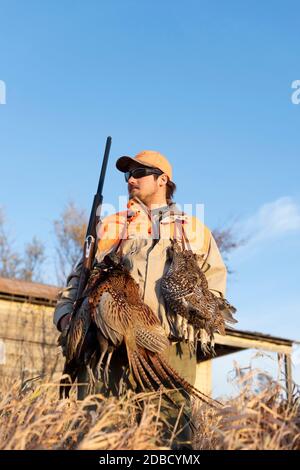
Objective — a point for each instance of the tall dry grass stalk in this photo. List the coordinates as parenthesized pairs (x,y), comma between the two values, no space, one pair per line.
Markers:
(32,417)
(259,418)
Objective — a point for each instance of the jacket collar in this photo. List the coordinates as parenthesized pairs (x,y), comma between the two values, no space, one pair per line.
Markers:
(168,213)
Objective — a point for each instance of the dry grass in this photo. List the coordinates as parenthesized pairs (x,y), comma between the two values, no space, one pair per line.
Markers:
(32,417)
(259,418)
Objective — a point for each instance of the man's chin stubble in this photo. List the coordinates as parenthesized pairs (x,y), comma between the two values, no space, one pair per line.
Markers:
(133,192)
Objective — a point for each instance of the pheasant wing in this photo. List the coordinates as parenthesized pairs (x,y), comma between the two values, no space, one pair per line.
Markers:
(79,326)
(111,317)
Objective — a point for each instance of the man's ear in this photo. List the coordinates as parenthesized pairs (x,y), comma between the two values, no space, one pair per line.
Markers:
(163,179)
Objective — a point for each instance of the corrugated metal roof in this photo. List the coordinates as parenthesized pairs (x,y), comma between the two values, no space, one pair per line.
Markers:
(15,287)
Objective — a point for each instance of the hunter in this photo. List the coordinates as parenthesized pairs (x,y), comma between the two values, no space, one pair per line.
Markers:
(143,233)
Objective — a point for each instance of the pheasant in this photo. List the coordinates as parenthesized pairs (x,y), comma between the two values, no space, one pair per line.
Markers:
(185,291)
(114,313)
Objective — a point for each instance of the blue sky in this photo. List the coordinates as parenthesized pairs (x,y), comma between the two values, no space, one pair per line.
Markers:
(207,83)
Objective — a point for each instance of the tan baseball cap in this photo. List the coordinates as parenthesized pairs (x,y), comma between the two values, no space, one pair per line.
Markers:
(148,158)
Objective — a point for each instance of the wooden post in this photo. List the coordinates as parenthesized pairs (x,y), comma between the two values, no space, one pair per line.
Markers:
(203,379)
(280,358)
(288,376)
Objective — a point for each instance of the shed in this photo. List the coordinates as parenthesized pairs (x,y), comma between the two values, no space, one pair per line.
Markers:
(27,334)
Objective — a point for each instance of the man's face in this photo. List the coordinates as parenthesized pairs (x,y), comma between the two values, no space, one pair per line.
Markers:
(144,188)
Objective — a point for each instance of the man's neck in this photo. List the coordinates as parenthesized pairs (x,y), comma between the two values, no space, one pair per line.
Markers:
(153,204)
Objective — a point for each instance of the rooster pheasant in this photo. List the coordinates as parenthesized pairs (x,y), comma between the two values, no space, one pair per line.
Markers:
(111,314)
(185,291)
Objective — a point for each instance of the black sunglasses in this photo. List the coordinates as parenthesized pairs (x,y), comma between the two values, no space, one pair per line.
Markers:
(140,172)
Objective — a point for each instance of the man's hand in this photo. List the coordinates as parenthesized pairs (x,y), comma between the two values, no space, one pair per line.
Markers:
(63,328)
(64,322)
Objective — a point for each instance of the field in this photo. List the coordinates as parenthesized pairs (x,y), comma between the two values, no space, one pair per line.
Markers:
(32,417)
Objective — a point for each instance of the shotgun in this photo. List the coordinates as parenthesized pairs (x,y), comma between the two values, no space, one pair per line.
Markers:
(89,247)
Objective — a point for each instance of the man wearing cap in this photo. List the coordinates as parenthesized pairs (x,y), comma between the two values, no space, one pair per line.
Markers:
(142,234)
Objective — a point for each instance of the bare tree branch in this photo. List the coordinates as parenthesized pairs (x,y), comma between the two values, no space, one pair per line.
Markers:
(227,241)
(33,260)
(70,230)
(12,264)
(9,259)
